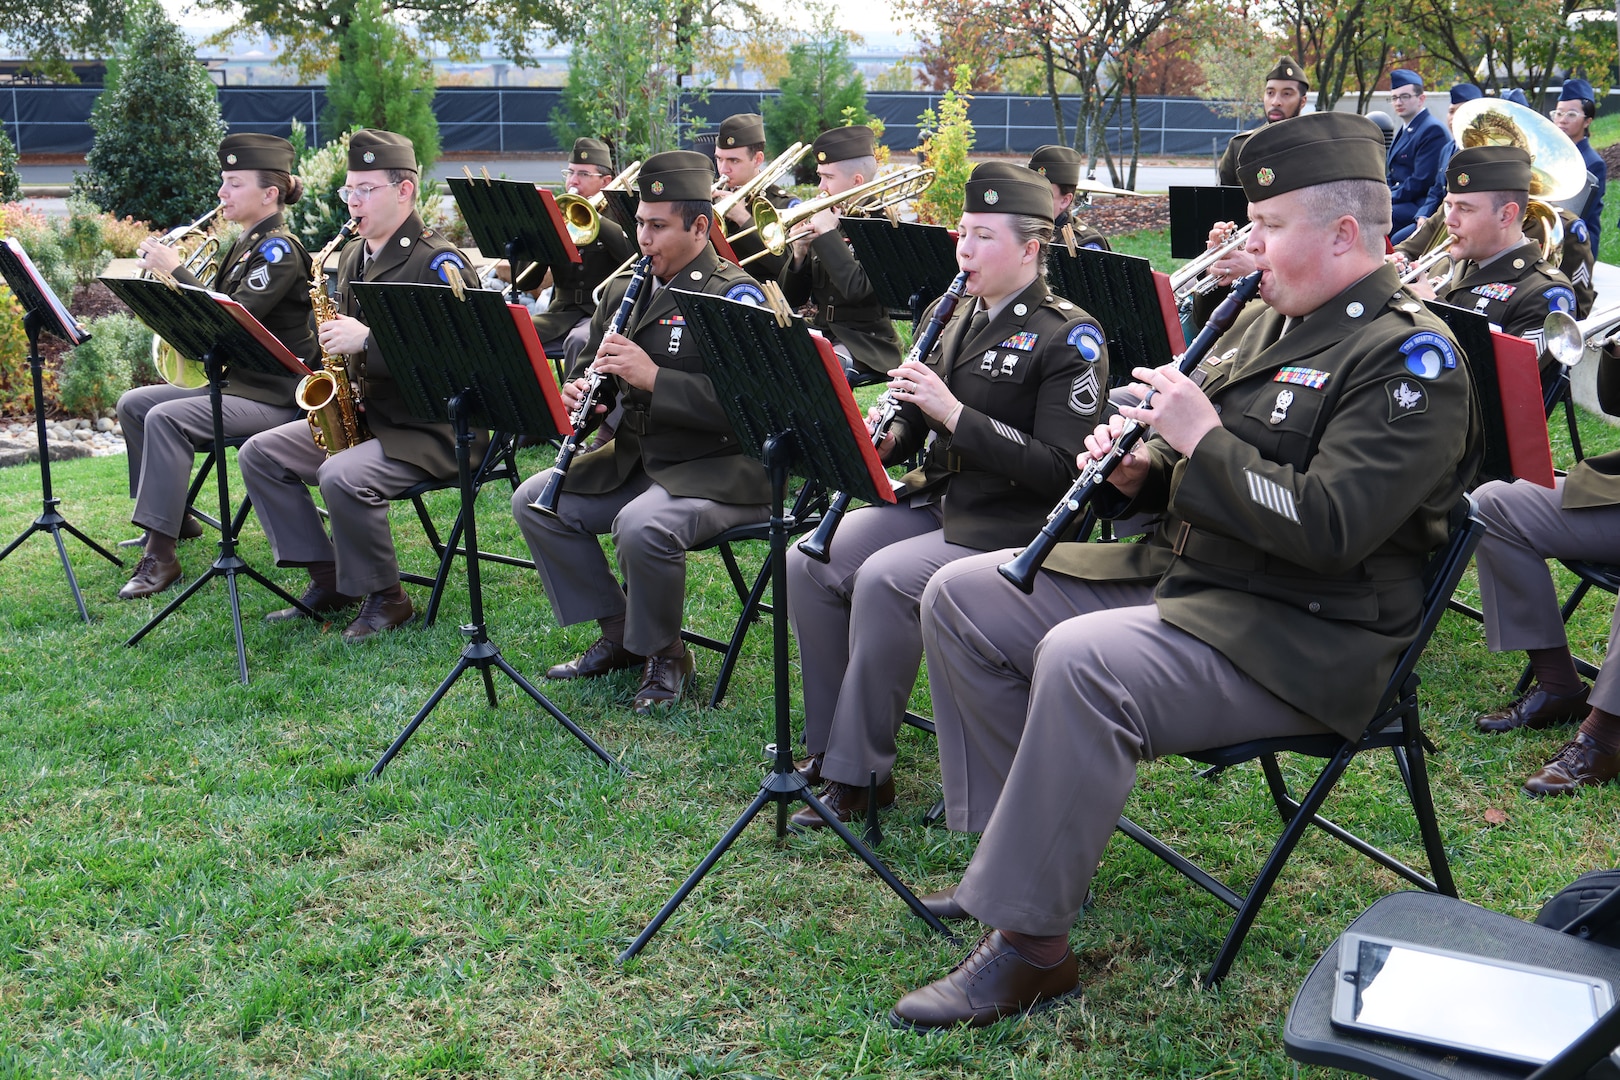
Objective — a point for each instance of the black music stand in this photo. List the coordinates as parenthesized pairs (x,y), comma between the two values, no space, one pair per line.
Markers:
(909,265)
(219,333)
(1195,210)
(621,207)
(1120,292)
(1473,333)
(519,220)
(427,332)
(792,409)
(42,311)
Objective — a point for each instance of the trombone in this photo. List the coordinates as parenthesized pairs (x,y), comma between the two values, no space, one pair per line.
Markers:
(776,228)
(783,163)
(202,264)
(583,214)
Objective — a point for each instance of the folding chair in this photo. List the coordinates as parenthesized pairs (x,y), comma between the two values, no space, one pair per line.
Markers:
(1395,726)
(1439,921)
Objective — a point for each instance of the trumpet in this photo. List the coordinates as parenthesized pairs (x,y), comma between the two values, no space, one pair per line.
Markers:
(727,201)
(776,228)
(582,214)
(202,264)
(1419,268)
(1193,278)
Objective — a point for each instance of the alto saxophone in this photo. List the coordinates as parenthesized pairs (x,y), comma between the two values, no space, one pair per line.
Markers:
(327,395)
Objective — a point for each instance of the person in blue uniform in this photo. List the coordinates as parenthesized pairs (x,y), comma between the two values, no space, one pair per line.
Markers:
(1413,163)
(1577,105)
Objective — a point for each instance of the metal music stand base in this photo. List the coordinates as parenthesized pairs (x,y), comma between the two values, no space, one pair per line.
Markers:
(783,785)
(479,653)
(50,520)
(228,564)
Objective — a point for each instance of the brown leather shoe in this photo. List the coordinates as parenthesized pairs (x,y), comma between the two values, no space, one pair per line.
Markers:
(378,613)
(319,599)
(602,657)
(151,577)
(663,678)
(1537,709)
(992,981)
(810,767)
(1578,762)
(943,904)
(846,801)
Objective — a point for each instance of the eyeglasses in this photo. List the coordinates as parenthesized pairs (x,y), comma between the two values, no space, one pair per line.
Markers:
(1567,114)
(582,174)
(1403,97)
(363,192)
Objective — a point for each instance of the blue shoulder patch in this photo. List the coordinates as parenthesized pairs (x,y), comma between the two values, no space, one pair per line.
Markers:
(1094,245)
(1560,298)
(1089,341)
(1428,354)
(1578,230)
(747,292)
(443,259)
(275,249)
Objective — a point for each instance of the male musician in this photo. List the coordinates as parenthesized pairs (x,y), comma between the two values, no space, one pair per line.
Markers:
(672,476)
(823,272)
(739,154)
(1578,518)
(1061,166)
(1414,157)
(1498,272)
(565,322)
(1577,105)
(1284,97)
(278,466)
(1302,476)
(265,272)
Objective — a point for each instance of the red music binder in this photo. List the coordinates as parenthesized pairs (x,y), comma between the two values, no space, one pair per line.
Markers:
(542,367)
(1171,316)
(1524,417)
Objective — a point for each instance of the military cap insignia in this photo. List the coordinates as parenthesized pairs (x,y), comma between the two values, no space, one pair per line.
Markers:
(991,197)
(731,140)
(657,187)
(230,159)
(1428,354)
(1265,177)
(368,157)
(1289,70)
(1462,179)
(1560,298)
(1406,398)
(1041,170)
(821,155)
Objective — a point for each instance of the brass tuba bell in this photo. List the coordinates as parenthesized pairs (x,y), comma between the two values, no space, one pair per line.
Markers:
(1557,171)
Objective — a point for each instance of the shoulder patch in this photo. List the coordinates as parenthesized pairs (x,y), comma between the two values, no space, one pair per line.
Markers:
(1088,340)
(1094,245)
(444,259)
(1560,298)
(747,292)
(1407,397)
(1578,230)
(1085,393)
(1429,354)
(275,249)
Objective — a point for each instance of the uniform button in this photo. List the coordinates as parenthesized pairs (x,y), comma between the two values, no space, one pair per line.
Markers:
(1314,607)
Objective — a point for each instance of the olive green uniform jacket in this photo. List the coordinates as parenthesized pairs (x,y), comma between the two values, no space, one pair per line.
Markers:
(846,308)
(573,283)
(1515,291)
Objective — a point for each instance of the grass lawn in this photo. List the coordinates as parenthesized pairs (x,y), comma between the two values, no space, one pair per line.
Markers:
(196,880)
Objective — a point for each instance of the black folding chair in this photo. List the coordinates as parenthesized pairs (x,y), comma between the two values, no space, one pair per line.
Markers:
(1395,726)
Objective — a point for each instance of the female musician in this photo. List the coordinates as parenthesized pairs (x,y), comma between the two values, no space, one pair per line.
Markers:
(999,407)
(267,272)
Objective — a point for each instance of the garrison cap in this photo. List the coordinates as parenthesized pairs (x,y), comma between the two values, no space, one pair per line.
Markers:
(676,176)
(1288,68)
(1317,148)
(1059,164)
(743,129)
(1405,77)
(1577,90)
(591,152)
(370,148)
(252,151)
(1488,168)
(1465,91)
(844,144)
(1516,96)
(1000,187)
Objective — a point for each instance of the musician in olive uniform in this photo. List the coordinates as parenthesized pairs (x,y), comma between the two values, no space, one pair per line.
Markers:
(264,271)
(824,273)
(1061,166)
(565,323)
(280,465)
(1303,477)
(1284,97)
(739,154)
(1578,518)
(1575,260)
(1004,401)
(672,476)
(1498,272)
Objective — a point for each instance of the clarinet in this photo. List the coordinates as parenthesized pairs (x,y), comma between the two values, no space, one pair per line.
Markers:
(598,391)
(888,407)
(1020,570)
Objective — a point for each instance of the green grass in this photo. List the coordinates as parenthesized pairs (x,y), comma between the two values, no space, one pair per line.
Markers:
(196,880)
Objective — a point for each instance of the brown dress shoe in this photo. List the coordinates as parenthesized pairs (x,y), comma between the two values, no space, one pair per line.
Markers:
(378,613)
(810,767)
(151,577)
(992,981)
(319,599)
(846,801)
(602,657)
(1578,762)
(663,678)
(1537,709)
(943,904)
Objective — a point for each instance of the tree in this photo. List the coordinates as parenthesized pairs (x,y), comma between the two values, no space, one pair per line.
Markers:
(383,81)
(157,129)
(10,181)
(624,80)
(948,136)
(963,34)
(1234,59)
(822,90)
(52,34)
(1518,44)
(1344,42)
